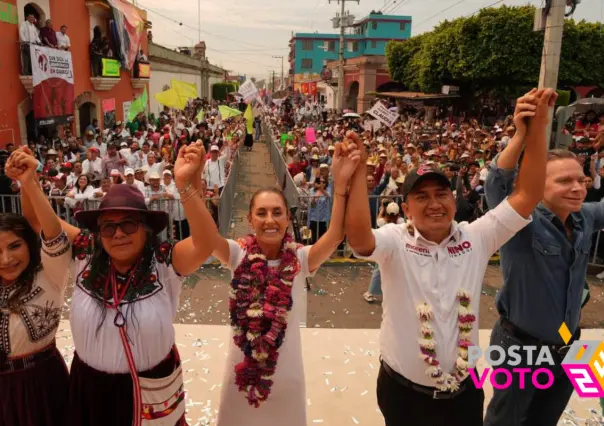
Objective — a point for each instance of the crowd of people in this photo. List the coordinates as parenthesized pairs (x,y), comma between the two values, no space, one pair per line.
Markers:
(127,280)
(78,171)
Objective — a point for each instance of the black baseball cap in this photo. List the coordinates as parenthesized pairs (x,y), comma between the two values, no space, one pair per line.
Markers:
(422,173)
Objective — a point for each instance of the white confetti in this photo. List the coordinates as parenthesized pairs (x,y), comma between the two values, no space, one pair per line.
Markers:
(318,421)
(356,422)
(365,392)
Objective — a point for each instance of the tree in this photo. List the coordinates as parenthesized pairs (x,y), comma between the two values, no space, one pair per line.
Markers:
(495,52)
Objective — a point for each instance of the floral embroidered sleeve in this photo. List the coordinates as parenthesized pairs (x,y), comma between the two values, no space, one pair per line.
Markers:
(163,253)
(56,257)
(83,245)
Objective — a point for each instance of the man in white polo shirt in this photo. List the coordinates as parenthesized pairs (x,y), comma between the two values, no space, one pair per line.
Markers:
(432,271)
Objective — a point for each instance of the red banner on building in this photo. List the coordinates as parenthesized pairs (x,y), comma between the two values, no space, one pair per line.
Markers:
(52,80)
(313,88)
(304,88)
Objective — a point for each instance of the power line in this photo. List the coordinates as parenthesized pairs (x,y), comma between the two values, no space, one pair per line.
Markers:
(387,5)
(484,7)
(396,7)
(182,24)
(439,13)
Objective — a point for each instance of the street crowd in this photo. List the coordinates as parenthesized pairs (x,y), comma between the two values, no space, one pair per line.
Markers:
(78,171)
(516,197)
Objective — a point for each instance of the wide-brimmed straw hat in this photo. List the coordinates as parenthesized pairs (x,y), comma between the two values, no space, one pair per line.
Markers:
(123,198)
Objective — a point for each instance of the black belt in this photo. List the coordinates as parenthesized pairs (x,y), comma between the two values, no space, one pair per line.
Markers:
(527,339)
(13,365)
(426,390)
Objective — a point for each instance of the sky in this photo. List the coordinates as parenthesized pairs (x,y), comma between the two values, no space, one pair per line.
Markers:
(242,36)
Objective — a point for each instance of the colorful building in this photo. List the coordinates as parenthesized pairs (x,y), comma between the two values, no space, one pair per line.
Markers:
(102,97)
(310,52)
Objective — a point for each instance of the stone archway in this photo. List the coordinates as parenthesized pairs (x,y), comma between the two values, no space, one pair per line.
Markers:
(23,110)
(86,98)
(353,94)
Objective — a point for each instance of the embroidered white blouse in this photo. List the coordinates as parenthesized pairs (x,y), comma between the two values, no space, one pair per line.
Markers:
(35,324)
(149,311)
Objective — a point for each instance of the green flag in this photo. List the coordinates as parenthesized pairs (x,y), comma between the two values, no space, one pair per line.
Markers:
(139,105)
(200,116)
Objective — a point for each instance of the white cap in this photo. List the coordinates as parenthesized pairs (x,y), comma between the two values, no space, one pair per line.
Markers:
(52,152)
(128,172)
(167,172)
(324,166)
(124,144)
(154,176)
(465,156)
(331,148)
(304,149)
(115,172)
(392,208)
(214,148)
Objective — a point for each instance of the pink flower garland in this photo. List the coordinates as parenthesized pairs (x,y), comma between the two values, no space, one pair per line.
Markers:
(427,344)
(259,302)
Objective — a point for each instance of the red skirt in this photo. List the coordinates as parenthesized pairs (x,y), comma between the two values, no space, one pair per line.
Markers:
(97,398)
(37,394)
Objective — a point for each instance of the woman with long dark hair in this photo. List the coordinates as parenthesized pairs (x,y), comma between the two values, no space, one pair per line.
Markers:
(264,381)
(126,291)
(34,382)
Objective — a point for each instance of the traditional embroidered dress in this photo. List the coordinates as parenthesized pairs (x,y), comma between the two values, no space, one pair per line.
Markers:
(286,404)
(34,381)
(101,385)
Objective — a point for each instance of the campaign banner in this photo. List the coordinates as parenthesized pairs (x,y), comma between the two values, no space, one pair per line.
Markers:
(144,70)
(311,136)
(53,90)
(383,114)
(111,68)
(304,88)
(248,90)
(313,88)
(108,104)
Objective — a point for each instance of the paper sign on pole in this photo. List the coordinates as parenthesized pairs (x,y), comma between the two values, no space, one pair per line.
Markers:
(383,114)
(372,125)
(248,90)
(311,137)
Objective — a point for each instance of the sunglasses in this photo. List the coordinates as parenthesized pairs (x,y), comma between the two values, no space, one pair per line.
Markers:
(128,227)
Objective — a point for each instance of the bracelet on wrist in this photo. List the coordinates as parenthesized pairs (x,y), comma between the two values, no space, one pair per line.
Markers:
(187,188)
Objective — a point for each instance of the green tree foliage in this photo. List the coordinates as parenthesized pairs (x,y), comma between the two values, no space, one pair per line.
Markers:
(494,52)
(221,90)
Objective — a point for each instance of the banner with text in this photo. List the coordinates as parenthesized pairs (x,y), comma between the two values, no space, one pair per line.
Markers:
(52,80)
(248,90)
(383,114)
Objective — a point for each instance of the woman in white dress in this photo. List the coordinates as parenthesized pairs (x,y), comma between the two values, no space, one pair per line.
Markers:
(264,380)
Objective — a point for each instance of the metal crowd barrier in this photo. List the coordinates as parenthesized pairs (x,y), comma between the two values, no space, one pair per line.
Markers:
(221,208)
(227,198)
(286,182)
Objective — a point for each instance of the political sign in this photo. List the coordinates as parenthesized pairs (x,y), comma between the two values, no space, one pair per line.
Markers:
(53,90)
(248,90)
(383,114)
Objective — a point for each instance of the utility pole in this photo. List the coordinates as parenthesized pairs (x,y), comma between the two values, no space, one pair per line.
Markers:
(343,21)
(280,57)
(552,45)
(273,84)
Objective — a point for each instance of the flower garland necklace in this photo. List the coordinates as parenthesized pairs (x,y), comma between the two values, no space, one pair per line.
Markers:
(259,302)
(427,344)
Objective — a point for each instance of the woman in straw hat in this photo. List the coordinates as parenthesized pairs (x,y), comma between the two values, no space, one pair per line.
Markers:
(264,379)
(127,286)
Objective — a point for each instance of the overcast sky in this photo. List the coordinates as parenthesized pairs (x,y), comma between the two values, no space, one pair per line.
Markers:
(243,35)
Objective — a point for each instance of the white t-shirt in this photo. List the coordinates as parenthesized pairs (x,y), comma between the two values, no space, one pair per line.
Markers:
(286,404)
(416,271)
